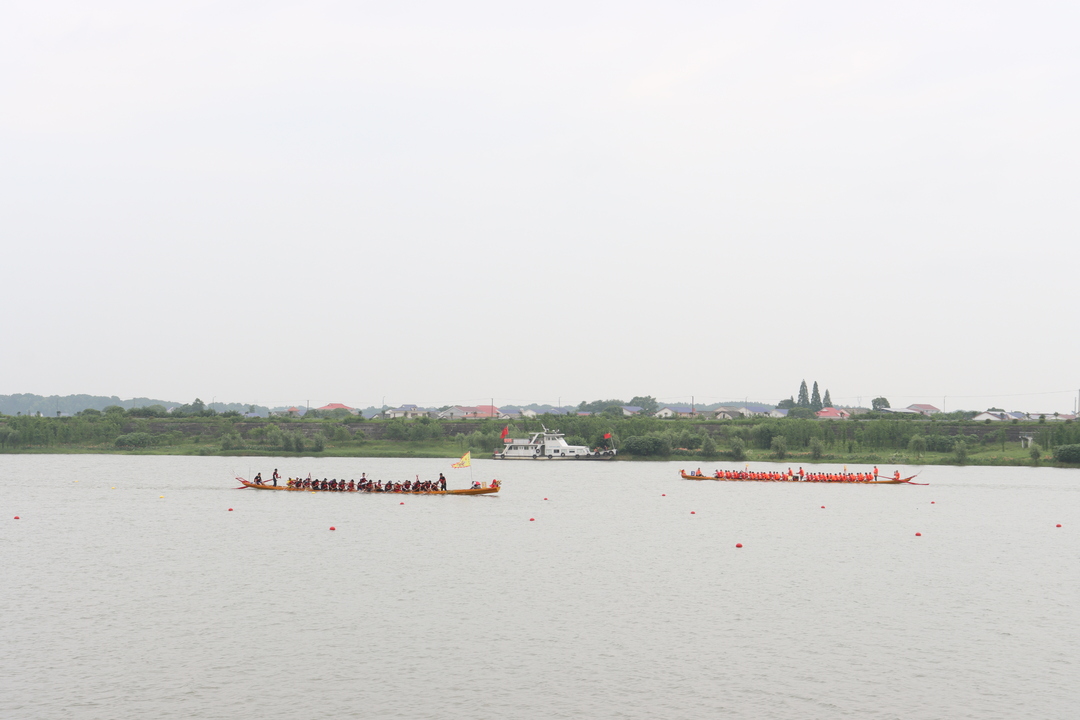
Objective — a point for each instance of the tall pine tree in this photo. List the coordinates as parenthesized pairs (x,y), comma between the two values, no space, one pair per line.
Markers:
(804,396)
(815,399)
(826,401)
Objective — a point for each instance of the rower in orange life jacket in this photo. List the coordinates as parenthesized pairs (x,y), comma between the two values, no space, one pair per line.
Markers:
(896,475)
(875,472)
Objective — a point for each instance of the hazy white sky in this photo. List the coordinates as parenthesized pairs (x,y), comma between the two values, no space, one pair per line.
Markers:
(450,202)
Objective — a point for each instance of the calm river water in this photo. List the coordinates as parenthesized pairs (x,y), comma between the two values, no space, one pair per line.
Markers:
(130,591)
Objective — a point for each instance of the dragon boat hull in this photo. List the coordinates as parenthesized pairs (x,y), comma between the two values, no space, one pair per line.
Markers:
(466,491)
(890,481)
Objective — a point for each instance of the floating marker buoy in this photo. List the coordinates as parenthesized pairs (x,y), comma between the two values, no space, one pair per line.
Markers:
(738,545)
(401,503)
(931,502)
(532,519)
(1059,524)
(17,517)
(113,487)
(161,496)
(333,528)
(822,507)
(918,534)
(545,498)
(230,509)
(663,494)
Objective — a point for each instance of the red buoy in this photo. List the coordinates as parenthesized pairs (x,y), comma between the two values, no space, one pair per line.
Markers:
(230,509)
(931,502)
(401,503)
(918,534)
(693,513)
(1059,524)
(532,519)
(545,498)
(822,507)
(333,528)
(663,494)
(17,517)
(738,544)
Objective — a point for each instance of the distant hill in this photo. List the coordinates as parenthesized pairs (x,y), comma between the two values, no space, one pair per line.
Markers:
(29,404)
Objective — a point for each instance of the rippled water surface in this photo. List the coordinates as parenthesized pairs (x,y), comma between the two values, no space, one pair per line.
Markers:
(130,591)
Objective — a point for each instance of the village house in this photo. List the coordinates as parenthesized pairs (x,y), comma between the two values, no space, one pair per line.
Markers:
(676,411)
(831,413)
(630,410)
(407,411)
(469,412)
(338,406)
(924,409)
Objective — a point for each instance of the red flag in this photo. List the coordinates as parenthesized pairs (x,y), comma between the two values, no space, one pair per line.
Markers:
(607,436)
(505,432)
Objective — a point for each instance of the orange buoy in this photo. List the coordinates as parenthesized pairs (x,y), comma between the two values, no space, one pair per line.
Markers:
(738,545)
(333,528)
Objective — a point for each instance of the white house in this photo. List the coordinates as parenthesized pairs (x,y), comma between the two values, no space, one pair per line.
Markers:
(681,411)
(407,411)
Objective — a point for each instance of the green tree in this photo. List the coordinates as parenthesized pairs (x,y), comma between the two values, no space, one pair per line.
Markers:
(786,404)
(815,399)
(779,447)
(800,413)
(647,403)
(827,400)
(738,449)
(817,449)
(1035,453)
(917,445)
(804,396)
(708,447)
(879,403)
(960,452)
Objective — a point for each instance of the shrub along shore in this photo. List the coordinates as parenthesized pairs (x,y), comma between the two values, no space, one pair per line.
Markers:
(869,439)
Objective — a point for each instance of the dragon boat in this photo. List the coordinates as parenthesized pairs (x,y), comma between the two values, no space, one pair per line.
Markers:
(783,477)
(467,491)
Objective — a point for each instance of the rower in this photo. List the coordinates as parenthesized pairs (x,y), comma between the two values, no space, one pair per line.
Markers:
(258,478)
(275,477)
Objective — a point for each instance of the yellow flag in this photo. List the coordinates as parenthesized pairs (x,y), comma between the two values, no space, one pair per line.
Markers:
(465,461)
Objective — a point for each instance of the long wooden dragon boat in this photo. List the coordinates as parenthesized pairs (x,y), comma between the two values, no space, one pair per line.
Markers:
(468,491)
(795,478)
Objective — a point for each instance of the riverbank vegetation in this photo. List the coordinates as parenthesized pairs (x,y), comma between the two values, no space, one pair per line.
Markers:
(868,439)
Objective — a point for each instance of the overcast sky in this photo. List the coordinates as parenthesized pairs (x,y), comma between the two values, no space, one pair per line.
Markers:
(439,203)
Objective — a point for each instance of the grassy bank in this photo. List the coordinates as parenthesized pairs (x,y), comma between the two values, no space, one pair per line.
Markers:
(450,449)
